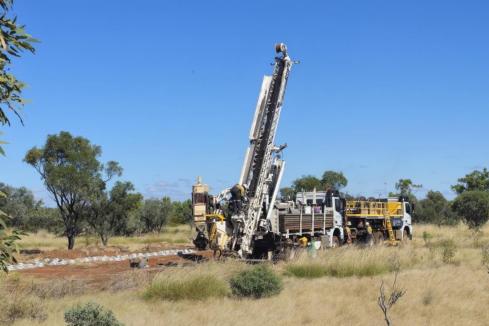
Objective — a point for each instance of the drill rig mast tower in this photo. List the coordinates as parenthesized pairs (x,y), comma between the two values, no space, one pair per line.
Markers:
(248,219)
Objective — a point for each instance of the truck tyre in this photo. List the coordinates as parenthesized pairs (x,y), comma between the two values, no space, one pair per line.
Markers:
(405,236)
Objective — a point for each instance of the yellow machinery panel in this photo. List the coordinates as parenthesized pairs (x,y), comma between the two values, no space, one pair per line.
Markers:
(394,208)
(360,208)
(199,200)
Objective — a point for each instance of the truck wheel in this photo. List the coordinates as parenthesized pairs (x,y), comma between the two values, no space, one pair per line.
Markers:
(336,242)
(405,236)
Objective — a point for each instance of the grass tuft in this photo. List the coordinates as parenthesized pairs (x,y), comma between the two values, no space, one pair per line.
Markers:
(199,287)
(311,270)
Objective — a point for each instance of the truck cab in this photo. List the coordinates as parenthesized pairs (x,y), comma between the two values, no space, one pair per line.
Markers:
(403,225)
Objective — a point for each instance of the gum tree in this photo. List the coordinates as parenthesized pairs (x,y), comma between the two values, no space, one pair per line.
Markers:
(14,40)
(109,211)
(72,174)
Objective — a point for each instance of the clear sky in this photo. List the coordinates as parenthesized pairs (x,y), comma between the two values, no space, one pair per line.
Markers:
(385,89)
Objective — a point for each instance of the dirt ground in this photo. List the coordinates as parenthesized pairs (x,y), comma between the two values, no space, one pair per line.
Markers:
(96,274)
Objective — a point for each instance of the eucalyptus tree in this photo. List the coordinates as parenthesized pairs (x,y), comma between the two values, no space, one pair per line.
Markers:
(72,173)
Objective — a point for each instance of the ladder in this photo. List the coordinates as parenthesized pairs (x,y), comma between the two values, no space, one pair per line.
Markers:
(390,230)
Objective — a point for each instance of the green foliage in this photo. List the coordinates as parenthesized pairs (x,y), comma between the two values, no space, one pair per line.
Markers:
(330,180)
(474,181)
(306,183)
(156,213)
(405,187)
(333,180)
(90,314)
(7,241)
(435,209)
(19,204)
(109,212)
(287,193)
(182,212)
(13,42)
(72,173)
(257,282)
(473,207)
(199,287)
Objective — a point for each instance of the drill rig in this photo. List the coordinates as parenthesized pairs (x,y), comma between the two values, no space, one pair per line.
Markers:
(238,219)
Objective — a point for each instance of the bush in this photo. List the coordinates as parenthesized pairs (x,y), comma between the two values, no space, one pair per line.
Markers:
(257,282)
(195,288)
(15,307)
(448,250)
(90,314)
(427,238)
(473,207)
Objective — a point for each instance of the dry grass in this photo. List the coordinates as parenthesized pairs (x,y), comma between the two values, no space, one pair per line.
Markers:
(437,293)
(43,240)
(199,287)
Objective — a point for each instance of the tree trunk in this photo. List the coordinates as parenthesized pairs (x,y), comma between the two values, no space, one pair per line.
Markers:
(105,239)
(71,241)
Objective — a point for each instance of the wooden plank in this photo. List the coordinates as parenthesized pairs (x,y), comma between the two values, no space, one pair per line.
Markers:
(292,223)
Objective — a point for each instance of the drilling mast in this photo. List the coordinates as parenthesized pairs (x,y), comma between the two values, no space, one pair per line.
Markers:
(263,168)
(236,219)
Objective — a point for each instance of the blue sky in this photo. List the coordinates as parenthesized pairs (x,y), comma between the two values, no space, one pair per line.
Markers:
(385,89)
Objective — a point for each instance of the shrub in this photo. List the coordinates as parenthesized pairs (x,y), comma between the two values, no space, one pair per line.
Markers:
(448,250)
(257,282)
(195,288)
(90,314)
(306,270)
(15,307)
(427,238)
(473,207)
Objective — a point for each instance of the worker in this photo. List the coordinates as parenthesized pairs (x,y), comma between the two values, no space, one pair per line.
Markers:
(369,233)
(369,228)
(348,232)
(237,192)
(237,196)
(360,225)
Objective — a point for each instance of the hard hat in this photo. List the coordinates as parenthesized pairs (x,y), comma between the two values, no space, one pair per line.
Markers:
(367,223)
(348,223)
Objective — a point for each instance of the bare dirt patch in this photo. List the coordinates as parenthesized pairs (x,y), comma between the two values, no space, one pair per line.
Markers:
(98,275)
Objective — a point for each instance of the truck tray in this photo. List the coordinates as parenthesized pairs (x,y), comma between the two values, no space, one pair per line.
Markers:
(292,222)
